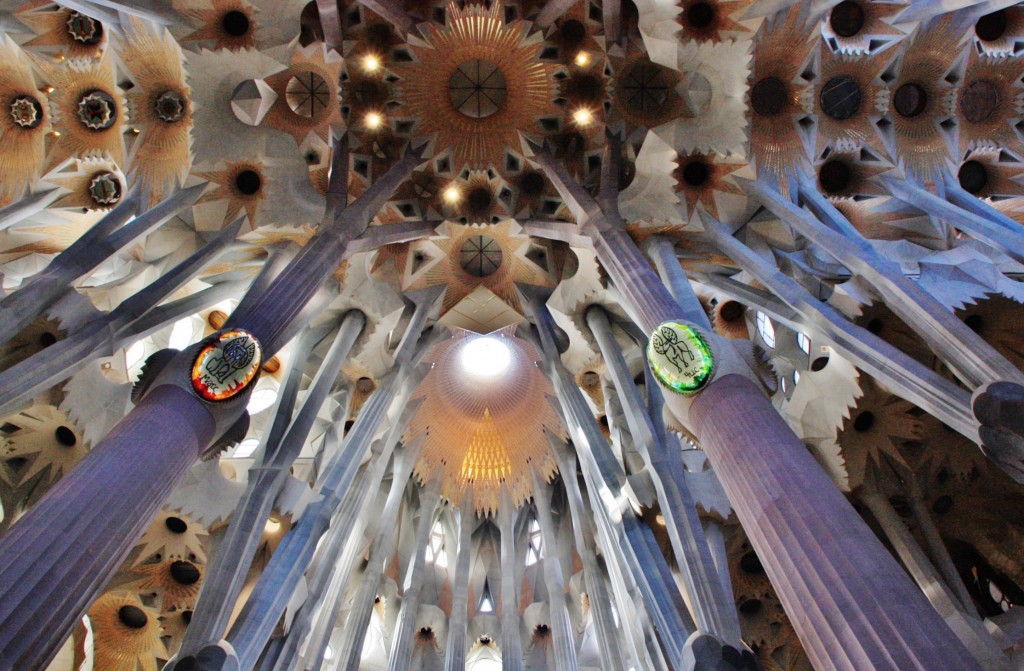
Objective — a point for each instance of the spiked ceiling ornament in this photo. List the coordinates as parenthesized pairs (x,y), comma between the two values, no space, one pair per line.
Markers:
(46,438)
(700,178)
(126,633)
(862,27)
(61,32)
(989,103)
(228,24)
(713,20)
(848,101)
(921,99)
(89,113)
(172,535)
(307,94)
(488,69)
(485,429)
(161,107)
(175,581)
(24,122)
(777,95)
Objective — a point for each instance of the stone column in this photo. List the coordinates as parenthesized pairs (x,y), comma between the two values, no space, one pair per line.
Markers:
(455,651)
(60,555)
(511,645)
(229,569)
(381,551)
(850,603)
(554,583)
(405,627)
(970,630)
(584,536)
(663,252)
(712,608)
(35,552)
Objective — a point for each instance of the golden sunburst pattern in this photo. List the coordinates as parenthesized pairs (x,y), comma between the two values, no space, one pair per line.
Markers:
(992,173)
(89,114)
(863,27)
(477,35)
(160,106)
(845,174)
(778,94)
(921,98)
(851,87)
(175,581)
(172,535)
(482,431)
(700,177)
(47,439)
(712,20)
(24,122)
(227,24)
(242,184)
(126,633)
(988,103)
(307,94)
(92,183)
(62,32)
(495,257)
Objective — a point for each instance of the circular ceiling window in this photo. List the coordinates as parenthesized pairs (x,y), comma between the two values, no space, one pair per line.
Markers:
(478,89)
(307,94)
(480,256)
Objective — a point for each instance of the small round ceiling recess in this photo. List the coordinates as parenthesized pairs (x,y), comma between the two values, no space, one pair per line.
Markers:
(478,89)
(480,256)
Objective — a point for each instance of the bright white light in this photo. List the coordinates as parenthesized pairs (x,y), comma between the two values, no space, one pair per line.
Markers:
(582,59)
(486,357)
(181,334)
(373,120)
(371,63)
(583,117)
(452,195)
(246,448)
(329,653)
(260,400)
(135,354)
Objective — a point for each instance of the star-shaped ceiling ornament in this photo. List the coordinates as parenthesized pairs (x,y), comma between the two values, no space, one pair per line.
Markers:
(474,85)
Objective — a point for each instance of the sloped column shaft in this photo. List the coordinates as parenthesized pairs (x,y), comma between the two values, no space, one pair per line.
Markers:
(57,558)
(381,552)
(968,629)
(713,610)
(554,582)
(849,601)
(455,651)
(511,644)
(227,573)
(403,640)
(663,252)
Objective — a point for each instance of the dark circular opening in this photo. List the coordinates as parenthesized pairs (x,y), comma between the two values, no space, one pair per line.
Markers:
(479,199)
(942,505)
(750,606)
(910,100)
(132,617)
(979,101)
(991,26)
(973,322)
(769,96)
(364,384)
(585,88)
(348,425)
(751,563)
(603,419)
(84,29)
(541,629)
(186,616)
(27,112)
(185,572)
(847,18)
(572,32)
(864,421)
(235,23)
(485,640)
(835,176)
(731,311)
(248,182)
(840,98)
(46,339)
(426,631)
(644,89)
(480,256)
(875,326)
(532,183)
(973,176)
(819,364)
(65,436)
(696,173)
(376,599)
(176,525)
(700,15)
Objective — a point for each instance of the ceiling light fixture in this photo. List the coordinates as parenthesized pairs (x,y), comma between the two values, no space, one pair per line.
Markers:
(583,117)
(373,120)
(485,357)
(452,195)
(371,63)
(582,59)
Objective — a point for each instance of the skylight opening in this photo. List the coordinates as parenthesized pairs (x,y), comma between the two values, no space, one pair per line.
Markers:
(485,357)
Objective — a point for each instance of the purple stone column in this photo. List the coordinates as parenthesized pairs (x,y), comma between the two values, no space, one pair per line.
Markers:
(59,555)
(851,604)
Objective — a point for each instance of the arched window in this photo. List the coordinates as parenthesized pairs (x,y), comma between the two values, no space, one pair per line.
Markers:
(765,329)
(436,554)
(804,342)
(533,553)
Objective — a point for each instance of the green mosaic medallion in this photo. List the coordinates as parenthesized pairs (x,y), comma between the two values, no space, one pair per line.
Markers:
(680,358)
